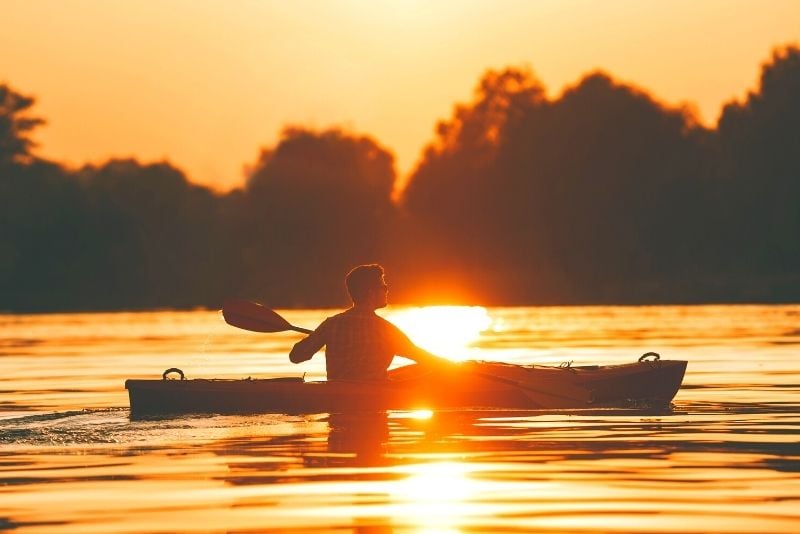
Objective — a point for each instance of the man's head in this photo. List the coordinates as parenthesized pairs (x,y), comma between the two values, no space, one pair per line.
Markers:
(366,285)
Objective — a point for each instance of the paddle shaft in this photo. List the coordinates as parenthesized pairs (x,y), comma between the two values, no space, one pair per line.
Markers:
(300,329)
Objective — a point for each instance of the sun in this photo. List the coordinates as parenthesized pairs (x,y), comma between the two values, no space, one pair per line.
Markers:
(444,330)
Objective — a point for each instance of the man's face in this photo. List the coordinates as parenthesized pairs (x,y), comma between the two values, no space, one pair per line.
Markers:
(380,293)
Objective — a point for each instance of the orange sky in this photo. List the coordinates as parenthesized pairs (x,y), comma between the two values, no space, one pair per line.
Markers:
(206,83)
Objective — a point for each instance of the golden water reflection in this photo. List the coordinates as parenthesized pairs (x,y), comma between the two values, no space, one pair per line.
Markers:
(725,459)
(398,472)
(435,495)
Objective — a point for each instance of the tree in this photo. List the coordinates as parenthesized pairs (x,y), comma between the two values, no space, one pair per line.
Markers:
(452,196)
(42,218)
(154,237)
(608,184)
(759,169)
(564,200)
(466,145)
(15,126)
(315,205)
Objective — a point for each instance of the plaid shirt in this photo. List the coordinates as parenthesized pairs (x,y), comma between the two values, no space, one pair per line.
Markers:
(359,345)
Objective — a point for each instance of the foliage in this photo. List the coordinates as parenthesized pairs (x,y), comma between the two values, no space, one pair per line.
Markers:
(601,194)
(15,126)
(315,205)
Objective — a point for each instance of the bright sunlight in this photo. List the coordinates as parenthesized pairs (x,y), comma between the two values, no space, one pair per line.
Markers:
(436,496)
(444,330)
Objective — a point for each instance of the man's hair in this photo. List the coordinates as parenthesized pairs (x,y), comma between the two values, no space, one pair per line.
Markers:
(363,278)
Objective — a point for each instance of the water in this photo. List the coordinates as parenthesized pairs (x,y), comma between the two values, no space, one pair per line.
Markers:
(725,459)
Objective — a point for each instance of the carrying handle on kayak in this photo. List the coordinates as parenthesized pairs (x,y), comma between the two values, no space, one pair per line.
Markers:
(173,370)
(646,355)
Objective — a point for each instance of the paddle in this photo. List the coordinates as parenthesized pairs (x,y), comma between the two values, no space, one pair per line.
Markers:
(257,318)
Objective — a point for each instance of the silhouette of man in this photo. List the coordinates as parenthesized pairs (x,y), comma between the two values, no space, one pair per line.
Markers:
(359,344)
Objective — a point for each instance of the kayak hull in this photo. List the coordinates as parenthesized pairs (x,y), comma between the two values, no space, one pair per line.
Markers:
(647,383)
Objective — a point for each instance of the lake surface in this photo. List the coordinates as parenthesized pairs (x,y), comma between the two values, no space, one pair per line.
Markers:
(726,458)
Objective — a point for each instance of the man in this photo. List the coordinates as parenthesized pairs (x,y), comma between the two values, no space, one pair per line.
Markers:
(360,345)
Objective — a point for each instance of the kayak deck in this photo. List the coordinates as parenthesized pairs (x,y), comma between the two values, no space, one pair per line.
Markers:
(651,383)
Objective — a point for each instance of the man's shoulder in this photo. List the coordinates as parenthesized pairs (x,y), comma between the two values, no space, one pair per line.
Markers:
(361,318)
(346,317)
(341,316)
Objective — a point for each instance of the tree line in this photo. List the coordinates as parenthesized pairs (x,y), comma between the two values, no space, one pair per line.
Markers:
(602,194)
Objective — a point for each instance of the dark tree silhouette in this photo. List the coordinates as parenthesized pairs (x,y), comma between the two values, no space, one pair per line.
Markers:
(452,197)
(759,174)
(602,194)
(15,126)
(315,205)
(593,196)
(43,215)
(39,208)
(610,180)
(153,236)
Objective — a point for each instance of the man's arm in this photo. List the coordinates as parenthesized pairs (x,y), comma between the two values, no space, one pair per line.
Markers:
(424,357)
(304,349)
(407,349)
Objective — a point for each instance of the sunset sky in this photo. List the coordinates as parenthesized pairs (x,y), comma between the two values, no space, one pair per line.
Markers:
(205,84)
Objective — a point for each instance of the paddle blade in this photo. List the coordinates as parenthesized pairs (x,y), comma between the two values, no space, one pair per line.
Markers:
(254,317)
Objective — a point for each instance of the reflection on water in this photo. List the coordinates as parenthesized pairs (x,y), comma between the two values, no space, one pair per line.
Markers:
(724,459)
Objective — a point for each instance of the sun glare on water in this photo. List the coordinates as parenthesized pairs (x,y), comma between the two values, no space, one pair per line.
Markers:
(444,330)
(435,496)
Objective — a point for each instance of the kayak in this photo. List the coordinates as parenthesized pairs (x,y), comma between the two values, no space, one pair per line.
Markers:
(649,382)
